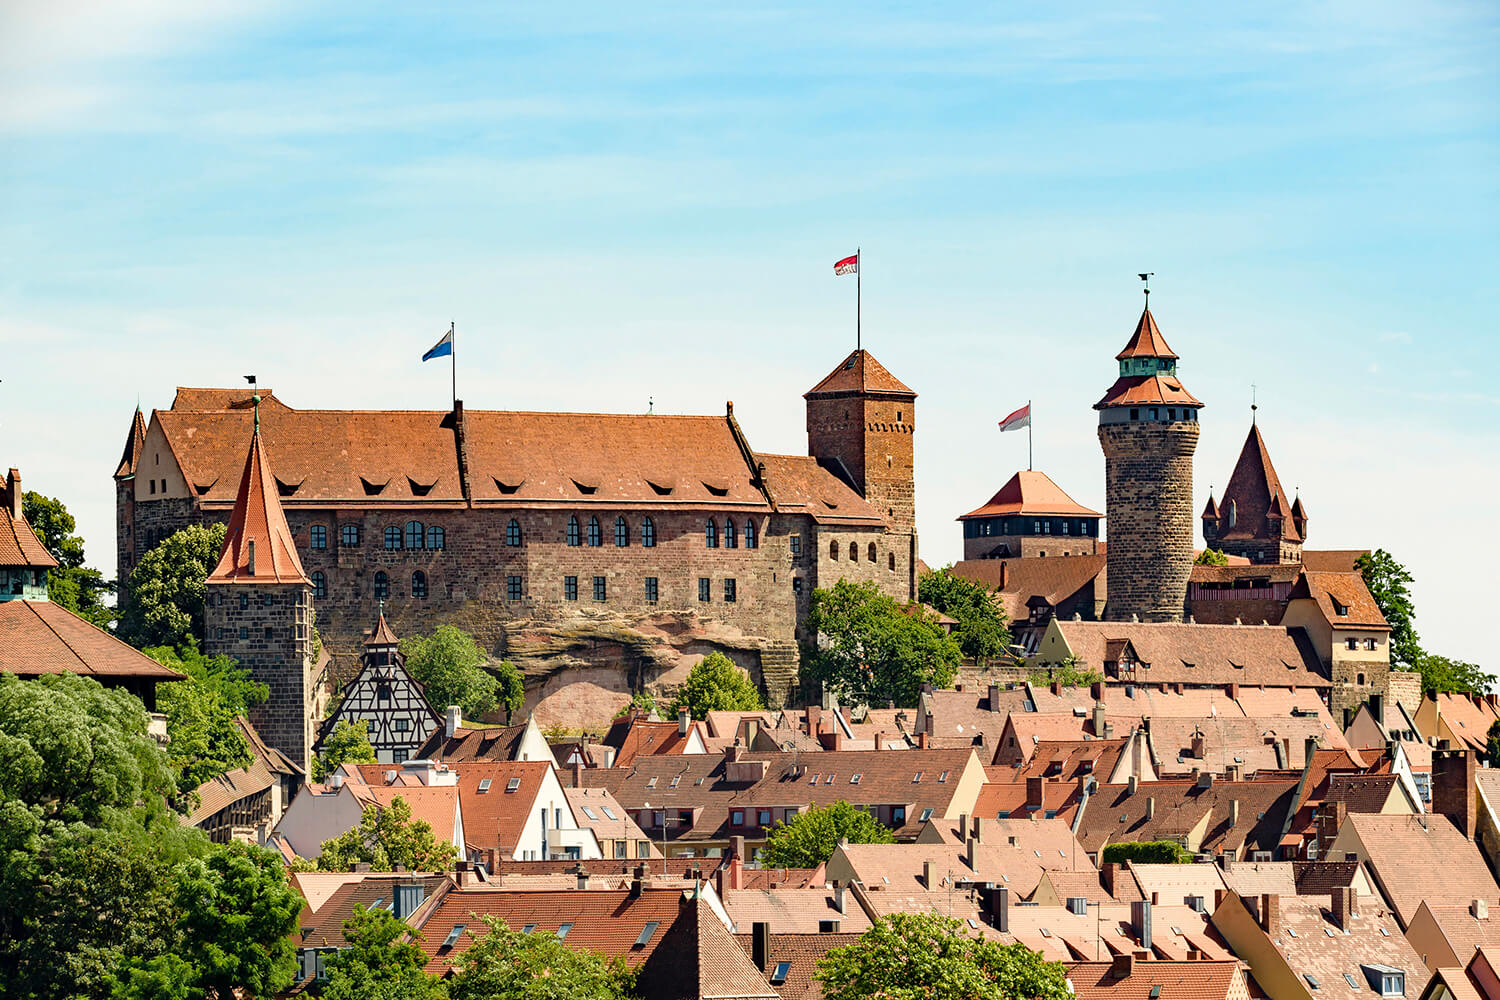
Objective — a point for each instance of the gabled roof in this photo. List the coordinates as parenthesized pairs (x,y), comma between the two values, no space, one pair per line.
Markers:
(1052,578)
(39,637)
(1203,654)
(323,924)
(792,911)
(473,743)
(1031,492)
(1416,858)
(258,547)
(801,954)
(267,766)
(133,443)
(1333,591)
(1114,813)
(860,373)
(1146,341)
(1196,980)
(799,485)
(19,545)
(643,738)
(1256,491)
(706,962)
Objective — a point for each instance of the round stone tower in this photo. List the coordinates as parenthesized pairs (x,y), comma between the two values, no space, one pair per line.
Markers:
(1148,428)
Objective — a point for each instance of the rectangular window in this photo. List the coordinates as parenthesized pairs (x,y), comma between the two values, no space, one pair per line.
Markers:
(796,541)
(651,590)
(643,849)
(318,536)
(898,815)
(570,588)
(1352,643)
(349,536)
(737,818)
(244,633)
(403,725)
(765,817)
(513,588)
(729,589)
(269,633)
(370,725)
(703,589)
(621,849)
(398,756)
(599,588)
(796,584)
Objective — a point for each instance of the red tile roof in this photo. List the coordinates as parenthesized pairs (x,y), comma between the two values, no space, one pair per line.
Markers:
(1031,492)
(39,637)
(19,545)
(1416,858)
(1114,814)
(801,953)
(1195,980)
(1203,654)
(642,738)
(488,743)
(1333,591)
(1147,390)
(860,373)
(258,547)
(1255,490)
(705,962)
(1052,578)
(1146,341)
(133,444)
(383,634)
(496,818)
(799,485)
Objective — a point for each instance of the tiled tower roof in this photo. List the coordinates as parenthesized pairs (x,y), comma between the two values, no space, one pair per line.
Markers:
(1147,341)
(382,636)
(259,546)
(860,372)
(1256,492)
(133,445)
(1031,492)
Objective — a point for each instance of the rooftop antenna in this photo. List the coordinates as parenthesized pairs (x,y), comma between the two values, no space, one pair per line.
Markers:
(1146,277)
(255,399)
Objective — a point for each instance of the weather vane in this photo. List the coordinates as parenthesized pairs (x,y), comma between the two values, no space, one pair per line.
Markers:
(1145,277)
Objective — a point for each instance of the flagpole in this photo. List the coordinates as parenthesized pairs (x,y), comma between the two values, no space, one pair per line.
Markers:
(453,358)
(858,279)
(1030,419)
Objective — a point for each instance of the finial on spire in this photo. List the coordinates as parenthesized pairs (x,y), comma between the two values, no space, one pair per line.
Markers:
(255,400)
(1253,405)
(650,404)
(1145,277)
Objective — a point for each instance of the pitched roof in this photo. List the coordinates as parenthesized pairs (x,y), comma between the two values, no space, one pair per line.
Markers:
(437,805)
(597,810)
(643,738)
(39,637)
(383,634)
(1146,341)
(1174,884)
(267,766)
(1346,591)
(1255,491)
(1031,492)
(792,911)
(322,925)
(1253,878)
(1423,857)
(1361,793)
(19,545)
(1249,743)
(1203,654)
(1332,560)
(1115,814)
(706,961)
(1175,980)
(1147,390)
(133,443)
(801,954)
(258,547)
(1069,760)
(495,818)
(860,373)
(800,485)
(1319,878)
(1053,578)
(473,743)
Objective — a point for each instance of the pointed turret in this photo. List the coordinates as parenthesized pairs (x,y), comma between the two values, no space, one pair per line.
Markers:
(382,637)
(133,445)
(1147,341)
(1299,517)
(1210,509)
(1266,528)
(258,547)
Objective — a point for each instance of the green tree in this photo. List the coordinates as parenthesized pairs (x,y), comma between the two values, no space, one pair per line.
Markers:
(381,961)
(1388,583)
(167,588)
(809,839)
(926,956)
(866,644)
(715,684)
(503,964)
(237,916)
(1492,745)
(1211,557)
(348,743)
(982,630)
(1067,673)
(1153,852)
(449,666)
(512,692)
(1439,673)
(384,839)
(642,701)
(205,740)
(70,584)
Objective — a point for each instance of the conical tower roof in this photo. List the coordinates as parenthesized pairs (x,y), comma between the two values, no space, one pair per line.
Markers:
(1210,509)
(1256,492)
(1147,341)
(259,546)
(382,636)
(860,373)
(133,445)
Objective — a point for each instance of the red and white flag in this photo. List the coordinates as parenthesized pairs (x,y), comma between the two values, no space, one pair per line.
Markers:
(849,265)
(1021,418)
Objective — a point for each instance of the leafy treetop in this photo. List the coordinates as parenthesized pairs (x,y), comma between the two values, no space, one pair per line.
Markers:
(503,964)
(982,631)
(1155,852)
(70,584)
(1388,583)
(1212,557)
(384,839)
(381,961)
(204,740)
(449,665)
(348,743)
(167,588)
(869,645)
(715,684)
(810,838)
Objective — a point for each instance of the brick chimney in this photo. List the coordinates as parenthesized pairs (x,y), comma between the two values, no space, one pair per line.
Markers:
(814,719)
(832,739)
(1453,791)
(1000,908)
(1151,807)
(1034,792)
(1270,914)
(1479,909)
(922,739)
(1121,966)
(1057,688)
(976,828)
(1330,820)
(1199,746)
(1343,905)
(684,722)
(1108,872)
(760,945)
(994,698)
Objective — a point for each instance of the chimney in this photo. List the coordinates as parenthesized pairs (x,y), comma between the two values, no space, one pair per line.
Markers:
(684,722)
(1057,688)
(583,878)
(1234,692)
(732,753)
(361,866)
(814,720)
(13,494)
(1140,922)
(1150,807)
(976,829)
(922,739)
(880,741)
(1096,690)
(1234,772)
(760,945)
(969,846)
(336,780)
(995,698)
(454,719)
(1330,819)
(1121,966)
(1219,895)
(963,826)
(637,880)
(1034,792)
(1479,909)
(926,876)
(1309,747)
(1199,746)
(578,772)
(839,889)
(1343,905)
(1099,719)
(1131,784)
(1000,908)
(464,872)
(1453,793)
(832,739)
(1377,708)
(736,866)
(1234,813)
(1108,872)
(1206,779)
(1270,914)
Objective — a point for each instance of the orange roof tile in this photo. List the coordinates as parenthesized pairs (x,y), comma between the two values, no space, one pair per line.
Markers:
(1052,578)
(258,547)
(1256,493)
(799,485)
(1031,492)
(133,444)
(1195,980)
(1416,858)
(791,911)
(383,635)
(1146,341)
(1346,591)
(1147,390)
(39,637)
(1203,654)
(860,372)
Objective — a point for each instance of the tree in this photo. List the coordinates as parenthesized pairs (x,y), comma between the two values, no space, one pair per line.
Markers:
(1067,673)
(866,644)
(1439,673)
(1211,557)
(907,956)
(348,743)
(381,961)
(70,584)
(237,916)
(205,740)
(384,839)
(982,631)
(1387,580)
(512,693)
(642,701)
(503,964)
(1492,744)
(448,665)
(809,839)
(1154,852)
(167,588)
(715,684)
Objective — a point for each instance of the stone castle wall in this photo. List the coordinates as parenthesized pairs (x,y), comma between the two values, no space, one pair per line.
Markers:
(1149,489)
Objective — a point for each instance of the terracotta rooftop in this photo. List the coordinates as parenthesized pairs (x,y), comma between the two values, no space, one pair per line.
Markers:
(1255,490)
(133,444)
(1053,578)
(1203,654)
(706,961)
(1115,814)
(1147,390)
(19,545)
(323,923)
(1196,980)
(1416,858)
(1031,492)
(1343,598)
(1146,341)
(800,953)
(383,635)
(792,911)
(1319,878)
(860,372)
(643,738)
(1252,878)
(1069,760)
(799,485)
(1253,744)
(258,547)
(595,809)
(1332,560)
(472,743)
(267,766)
(39,637)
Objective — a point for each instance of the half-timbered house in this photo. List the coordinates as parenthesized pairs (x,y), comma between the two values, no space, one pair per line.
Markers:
(386,701)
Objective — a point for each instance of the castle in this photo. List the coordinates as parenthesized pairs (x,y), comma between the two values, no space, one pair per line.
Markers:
(611,549)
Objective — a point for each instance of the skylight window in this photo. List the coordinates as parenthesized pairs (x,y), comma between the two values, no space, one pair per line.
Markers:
(1156,991)
(854,779)
(647,932)
(926,815)
(779,974)
(1292,932)
(514,784)
(590,813)
(1046,933)
(562,931)
(651,781)
(452,937)
(1312,980)
(916,777)
(484,785)
(528,928)
(942,777)
(675,779)
(609,813)
(1353,983)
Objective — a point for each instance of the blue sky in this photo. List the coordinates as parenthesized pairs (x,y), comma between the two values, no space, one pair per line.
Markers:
(622,202)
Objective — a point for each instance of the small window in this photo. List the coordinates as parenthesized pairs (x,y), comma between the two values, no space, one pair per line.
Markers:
(1312,981)
(512,588)
(870,552)
(652,592)
(349,536)
(833,550)
(370,725)
(622,533)
(646,933)
(403,725)
(854,552)
(320,584)
(730,539)
(562,931)
(651,781)
(1352,643)
(244,633)
(704,594)
(570,588)
(891,559)
(600,589)
(749,534)
(528,928)
(729,590)
(574,536)
(926,815)
(710,534)
(797,585)
(269,633)
(484,786)
(942,777)
(1135,414)
(513,533)
(779,974)
(596,533)
(796,543)
(1359,679)
(737,817)
(317,536)
(419,585)
(513,784)
(1353,983)
(437,538)
(1372,643)
(382,586)
(416,535)
(648,533)
(765,817)
(452,938)
(393,538)
(854,778)
(916,778)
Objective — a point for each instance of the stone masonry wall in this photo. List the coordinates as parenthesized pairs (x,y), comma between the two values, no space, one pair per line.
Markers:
(1149,490)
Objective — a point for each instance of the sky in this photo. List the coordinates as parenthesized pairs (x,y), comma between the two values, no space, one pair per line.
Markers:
(623,205)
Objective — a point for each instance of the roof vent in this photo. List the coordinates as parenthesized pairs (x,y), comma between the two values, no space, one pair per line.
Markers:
(586,489)
(202,489)
(717,489)
(508,488)
(661,490)
(286,489)
(418,489)
(850,363)
(373,489)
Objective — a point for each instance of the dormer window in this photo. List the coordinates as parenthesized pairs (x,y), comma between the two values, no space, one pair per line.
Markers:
(1342,610)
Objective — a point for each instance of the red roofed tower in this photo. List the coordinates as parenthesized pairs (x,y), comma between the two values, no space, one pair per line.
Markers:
(1148,428)
(259,609)
(1254,518)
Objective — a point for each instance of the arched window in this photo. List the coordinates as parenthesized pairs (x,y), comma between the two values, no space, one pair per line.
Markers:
(416,534)
(833,550)
(711,534)
(436,537)
(419,584)
(1233,513)
(382,586)
(749,534)
(648,533)
(320,585)
(892,557)
(513,533)
(574,538)
(622,533)
(596,535)
(1360,680)
(393,537)
(854,552)
(870,552)
(731,540)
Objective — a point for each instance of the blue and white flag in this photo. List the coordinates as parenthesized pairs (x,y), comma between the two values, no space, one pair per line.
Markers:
(441,349)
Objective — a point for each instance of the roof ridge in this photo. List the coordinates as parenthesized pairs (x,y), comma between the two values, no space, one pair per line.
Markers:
(76,655)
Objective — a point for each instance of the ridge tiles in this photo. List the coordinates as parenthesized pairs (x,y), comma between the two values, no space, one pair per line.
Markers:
(860,372)
(258,528)
(1031,492)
